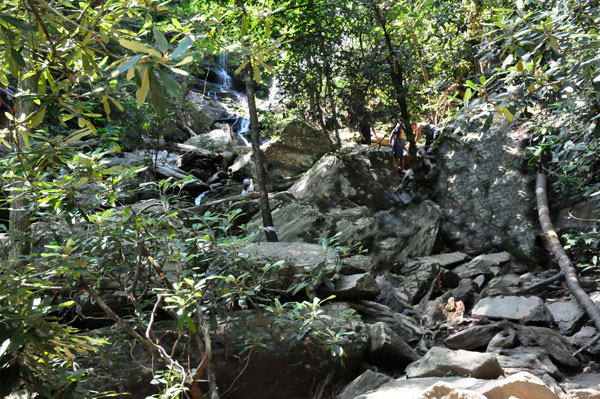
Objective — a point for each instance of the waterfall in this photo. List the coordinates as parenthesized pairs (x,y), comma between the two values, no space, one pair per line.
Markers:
(244,130)
(224,78)
(274,90)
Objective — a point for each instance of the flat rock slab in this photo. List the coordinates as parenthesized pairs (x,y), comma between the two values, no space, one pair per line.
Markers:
(521,385)
(439,362)
(473,337)
(569,316)
(488,265)
(517,308)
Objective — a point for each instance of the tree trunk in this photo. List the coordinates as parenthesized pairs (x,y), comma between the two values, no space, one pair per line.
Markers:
(397,73)
(563,260)
(19,218)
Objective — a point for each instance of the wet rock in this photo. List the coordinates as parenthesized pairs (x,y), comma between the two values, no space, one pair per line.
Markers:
(365,382)
(404,326)
(486,198)
(439,362)
(387,349)
(353,175)
(355,286)
(569,316)
(517,308)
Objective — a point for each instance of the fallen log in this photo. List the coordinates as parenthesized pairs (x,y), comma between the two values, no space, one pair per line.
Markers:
(566,267)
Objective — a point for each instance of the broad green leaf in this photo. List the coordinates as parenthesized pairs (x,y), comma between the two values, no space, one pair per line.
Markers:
(37,117)
(183,46)
(257,75)
(171,85)
(472,85)
(161,41)
(185,61)
(139,47)
(16,56)
(18,23)
(142,91)
(507,114)
(156,94)
(468,95)
(131,62)
(554,44)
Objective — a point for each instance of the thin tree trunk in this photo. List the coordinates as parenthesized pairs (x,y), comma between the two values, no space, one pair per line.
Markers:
(19,218)
(265,208)
(563,260)
(397,73)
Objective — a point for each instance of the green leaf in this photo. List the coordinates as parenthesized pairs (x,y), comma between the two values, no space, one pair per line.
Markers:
(161,41)
(142,91)
(184,45)
(172,87)
(37,118)
(507,114)
(18,23)
(16,56)
(472,85)
(156,94)
(139,47)
(468,95)
(132,61)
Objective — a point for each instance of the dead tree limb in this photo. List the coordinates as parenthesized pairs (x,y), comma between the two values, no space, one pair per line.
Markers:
(542,283)
(566,267)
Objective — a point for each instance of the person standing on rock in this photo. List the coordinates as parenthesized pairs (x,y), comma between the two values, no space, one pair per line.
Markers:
(398,140)
(364,127)
(248,186)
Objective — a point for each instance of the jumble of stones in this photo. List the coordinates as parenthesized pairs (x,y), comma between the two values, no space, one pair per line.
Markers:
(413,318)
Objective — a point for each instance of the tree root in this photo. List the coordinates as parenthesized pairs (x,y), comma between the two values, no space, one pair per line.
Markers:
(563,260)
(542,283)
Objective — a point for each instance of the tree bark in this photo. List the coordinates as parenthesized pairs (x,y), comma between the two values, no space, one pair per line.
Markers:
(19,217)
(397,74)
(563,260)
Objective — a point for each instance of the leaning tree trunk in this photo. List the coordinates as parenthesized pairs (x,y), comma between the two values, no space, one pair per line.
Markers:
(564,262)
(19,218)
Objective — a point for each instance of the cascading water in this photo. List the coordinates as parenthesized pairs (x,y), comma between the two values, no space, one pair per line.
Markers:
(274,90)
(224,78)
(244,130)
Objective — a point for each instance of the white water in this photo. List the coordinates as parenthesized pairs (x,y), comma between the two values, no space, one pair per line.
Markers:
(244,130)
(224,78)
(199,198)
(274,90)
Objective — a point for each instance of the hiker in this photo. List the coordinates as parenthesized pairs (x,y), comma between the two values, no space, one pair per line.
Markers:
(431,134)
(364,127)
(7,104)
(397,140)
(248,186)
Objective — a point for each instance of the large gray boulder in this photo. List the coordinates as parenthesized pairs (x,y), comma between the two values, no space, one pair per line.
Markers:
(568,315)
(487,200)
(386,348)
(299,146)
(365,382)
(440,362)
(351,176)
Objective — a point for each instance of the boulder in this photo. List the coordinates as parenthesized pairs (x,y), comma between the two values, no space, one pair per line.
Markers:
(417,277)
(583,336)
(355,286)
(299,259)
(516,308)
(443,390)
(505,284)
(283,368)
(216,140)
(521,385)
(351,176)
(569,315)
(387,349)
(549,340)
(488,265)
(579,216)
(404,326)
(534,360)
(390,295)
(439,362)
(583,394)
(486,198)
(475,337)
(365,382)
(357,264)
(299,146)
